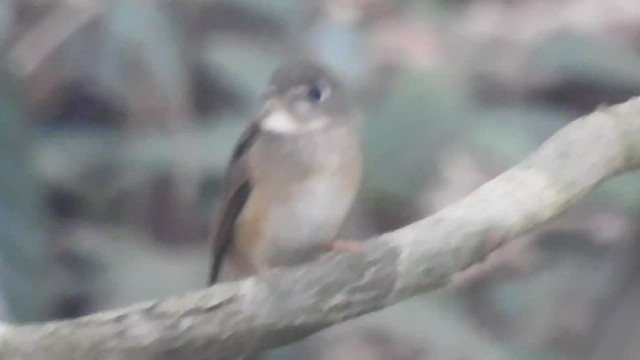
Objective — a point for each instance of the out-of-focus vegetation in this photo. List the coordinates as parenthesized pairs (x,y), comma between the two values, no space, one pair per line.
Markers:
(117,118)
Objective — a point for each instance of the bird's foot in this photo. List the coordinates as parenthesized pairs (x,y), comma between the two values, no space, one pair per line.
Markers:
(346,246)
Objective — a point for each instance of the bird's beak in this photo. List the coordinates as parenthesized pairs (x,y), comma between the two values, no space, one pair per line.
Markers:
(271,105)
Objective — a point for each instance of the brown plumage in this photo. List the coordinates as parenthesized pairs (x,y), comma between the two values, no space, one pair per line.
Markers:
(292,176)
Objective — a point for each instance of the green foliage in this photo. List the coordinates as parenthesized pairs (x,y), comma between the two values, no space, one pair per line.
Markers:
(239,63)
(62,158)
(509,133)
(23,258)
(571,54)
(144,31)
(404,136)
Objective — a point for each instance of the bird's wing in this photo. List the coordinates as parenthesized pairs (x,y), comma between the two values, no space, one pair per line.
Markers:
(236,188)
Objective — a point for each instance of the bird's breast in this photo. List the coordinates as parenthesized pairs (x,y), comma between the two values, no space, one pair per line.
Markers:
(302,190)
(305,219)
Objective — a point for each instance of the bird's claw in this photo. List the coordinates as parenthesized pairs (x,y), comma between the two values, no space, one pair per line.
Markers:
(346,246)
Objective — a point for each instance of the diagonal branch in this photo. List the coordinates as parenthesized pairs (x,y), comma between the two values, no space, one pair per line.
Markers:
(232,320)
(32,49)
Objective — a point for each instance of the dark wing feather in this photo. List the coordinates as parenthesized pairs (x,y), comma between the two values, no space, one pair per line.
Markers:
(236,191)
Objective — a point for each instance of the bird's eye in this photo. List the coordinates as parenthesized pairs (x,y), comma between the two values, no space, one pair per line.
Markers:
(317,93)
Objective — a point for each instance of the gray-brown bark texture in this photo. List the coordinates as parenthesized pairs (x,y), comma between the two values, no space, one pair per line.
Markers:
(230,320)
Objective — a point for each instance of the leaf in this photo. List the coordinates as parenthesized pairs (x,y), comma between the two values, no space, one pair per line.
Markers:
(404,135)
(569,54)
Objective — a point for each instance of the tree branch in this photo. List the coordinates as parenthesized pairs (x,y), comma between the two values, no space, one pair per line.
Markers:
(32,49)
(232,320)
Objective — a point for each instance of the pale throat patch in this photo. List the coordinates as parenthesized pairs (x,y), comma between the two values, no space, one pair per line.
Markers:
(282,122)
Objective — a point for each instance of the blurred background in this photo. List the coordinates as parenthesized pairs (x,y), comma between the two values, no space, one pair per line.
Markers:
(117,118)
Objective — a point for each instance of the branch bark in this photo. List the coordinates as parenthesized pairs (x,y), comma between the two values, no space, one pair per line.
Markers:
(232,320)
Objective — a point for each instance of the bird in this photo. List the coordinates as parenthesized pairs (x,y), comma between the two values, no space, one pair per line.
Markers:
(292,177)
